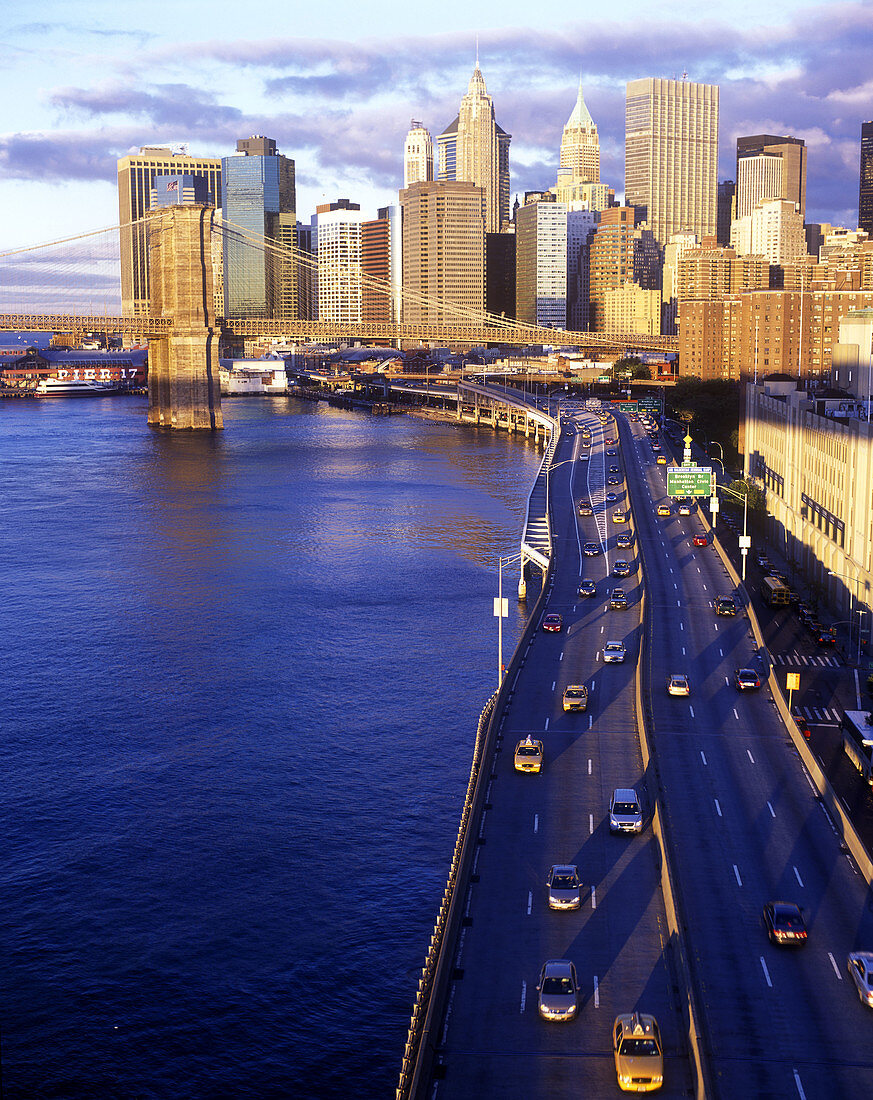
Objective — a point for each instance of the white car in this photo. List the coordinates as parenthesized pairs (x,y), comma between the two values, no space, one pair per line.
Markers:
(614,652)
(564,887)
(861,971)
(678,684)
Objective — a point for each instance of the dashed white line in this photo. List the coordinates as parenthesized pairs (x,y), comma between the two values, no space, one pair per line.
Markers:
(547,724)
(589,765)
(721,652)
(529,901)
(766,972)
(523,995)
(703,758)
(772,811)
(736,715)
(681,625)
(591,824)
(596,993)
(536,823)
(797,876)
(683,651)
(749,754)
(691,709)
(834,965)
(737,874)
(593,898)
(717,807)
(800,1091)
(561,658)
(553,684)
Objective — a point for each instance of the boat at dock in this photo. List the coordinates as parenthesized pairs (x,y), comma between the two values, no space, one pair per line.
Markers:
(73,387)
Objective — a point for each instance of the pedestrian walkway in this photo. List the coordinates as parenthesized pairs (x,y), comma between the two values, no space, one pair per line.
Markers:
(801,660)
(823,716)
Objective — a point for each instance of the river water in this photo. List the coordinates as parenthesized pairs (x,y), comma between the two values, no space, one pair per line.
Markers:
(242,677)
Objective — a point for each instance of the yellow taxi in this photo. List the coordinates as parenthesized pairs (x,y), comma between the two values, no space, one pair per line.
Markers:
(663,509)
(636,1047)
(661,460)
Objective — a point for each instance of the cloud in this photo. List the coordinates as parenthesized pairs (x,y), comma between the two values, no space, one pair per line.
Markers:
(180,105)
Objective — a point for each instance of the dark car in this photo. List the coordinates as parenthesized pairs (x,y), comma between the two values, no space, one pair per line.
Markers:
(725,605)
(611,498)
(587,588)
(803,726)
(746,679)
(553,622)
(621,568)
(591,549)
(821,635)
(784,923)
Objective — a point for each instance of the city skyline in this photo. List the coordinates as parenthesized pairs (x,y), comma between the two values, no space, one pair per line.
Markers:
(340,106)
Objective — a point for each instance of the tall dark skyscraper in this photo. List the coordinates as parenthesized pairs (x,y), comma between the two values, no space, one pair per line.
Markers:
(770,167)
(865,191)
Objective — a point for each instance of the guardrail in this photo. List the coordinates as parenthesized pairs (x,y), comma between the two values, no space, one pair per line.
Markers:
(421,1044)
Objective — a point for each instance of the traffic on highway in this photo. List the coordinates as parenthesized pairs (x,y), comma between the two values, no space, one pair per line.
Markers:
(640,745)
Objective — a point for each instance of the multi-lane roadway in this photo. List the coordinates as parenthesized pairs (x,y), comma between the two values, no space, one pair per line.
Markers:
(744,827)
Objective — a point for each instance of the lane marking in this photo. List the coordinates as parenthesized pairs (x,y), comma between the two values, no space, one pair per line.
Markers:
(718,808)
(681,625)
(691,709)
(590,824)
(589,765)
(683,651)
(766,972)
(736,715)
(593,898)
(737,873)
(749,754)
(797,876)
(561,658)
(547,723)
(529,901)
(596,993)
(523,995)
(721,652)
(703,758)
(536,822)
(553,684)
(772,811)
(800,1091)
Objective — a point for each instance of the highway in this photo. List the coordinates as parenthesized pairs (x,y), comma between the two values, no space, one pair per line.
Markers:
(743,823)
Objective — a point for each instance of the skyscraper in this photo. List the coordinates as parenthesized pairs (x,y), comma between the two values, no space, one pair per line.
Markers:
(475,149)
(541,264)
(417,155)
(671,155)
(380,258)
(259,211)
(865,191)
(579,165)
(770,167)
(443,249)
(136,178)
(340,295)
(621,252)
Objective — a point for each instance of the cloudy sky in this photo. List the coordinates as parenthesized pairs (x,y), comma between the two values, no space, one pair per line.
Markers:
(336,84)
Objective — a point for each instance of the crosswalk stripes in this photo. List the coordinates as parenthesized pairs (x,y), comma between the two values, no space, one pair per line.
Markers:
(819,714)
(802,660)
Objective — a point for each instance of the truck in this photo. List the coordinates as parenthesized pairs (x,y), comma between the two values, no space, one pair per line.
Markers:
(857,732)
(775,593)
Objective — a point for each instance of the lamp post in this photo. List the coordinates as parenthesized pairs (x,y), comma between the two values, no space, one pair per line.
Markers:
(853,599)
(715,443)
(501,609)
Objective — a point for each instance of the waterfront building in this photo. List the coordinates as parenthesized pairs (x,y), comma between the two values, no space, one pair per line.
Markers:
(541,264)
(136,178)
(773,228)
(671,156)
(621,252)
(259,222)
(770,167)
(865,188)
(443,231)
(338,231)
(417,155)
(475,149)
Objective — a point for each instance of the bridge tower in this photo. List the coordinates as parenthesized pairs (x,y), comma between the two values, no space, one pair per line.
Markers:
(184,391)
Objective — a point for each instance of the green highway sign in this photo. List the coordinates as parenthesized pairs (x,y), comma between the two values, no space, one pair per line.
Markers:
(626,406)
(689,481)
(651,403)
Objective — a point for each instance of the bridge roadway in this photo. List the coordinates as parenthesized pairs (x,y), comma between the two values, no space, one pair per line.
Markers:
(743,823)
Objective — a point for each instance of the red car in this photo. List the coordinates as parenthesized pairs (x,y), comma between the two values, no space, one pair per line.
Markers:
(553,622)
(802,725)
(699,540)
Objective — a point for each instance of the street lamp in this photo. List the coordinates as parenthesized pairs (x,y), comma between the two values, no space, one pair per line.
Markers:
(852,609)
(501,609)
(715,443)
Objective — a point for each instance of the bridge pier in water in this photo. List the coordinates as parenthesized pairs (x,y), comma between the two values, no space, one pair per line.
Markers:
(184,390)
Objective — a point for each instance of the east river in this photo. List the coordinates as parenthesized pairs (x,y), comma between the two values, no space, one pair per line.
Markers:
(241,679)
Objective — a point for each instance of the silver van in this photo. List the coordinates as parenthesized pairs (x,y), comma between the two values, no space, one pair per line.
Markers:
(625,812)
